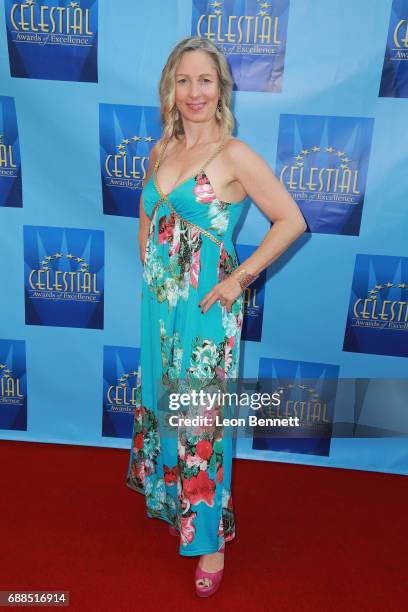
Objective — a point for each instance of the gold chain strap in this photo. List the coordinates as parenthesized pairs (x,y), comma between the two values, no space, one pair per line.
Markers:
(164,147)
(160,155)
(164,198)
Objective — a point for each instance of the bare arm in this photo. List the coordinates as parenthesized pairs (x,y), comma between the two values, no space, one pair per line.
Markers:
(266,191)
(144,220)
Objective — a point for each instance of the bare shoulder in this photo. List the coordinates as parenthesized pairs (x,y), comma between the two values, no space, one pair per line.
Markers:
(239,151)
(154,154)
(242,157)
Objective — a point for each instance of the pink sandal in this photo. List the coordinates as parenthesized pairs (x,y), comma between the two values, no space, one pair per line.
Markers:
(215,577)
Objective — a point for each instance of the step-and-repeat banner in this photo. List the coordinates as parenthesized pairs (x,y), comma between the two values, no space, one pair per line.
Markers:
(320,92)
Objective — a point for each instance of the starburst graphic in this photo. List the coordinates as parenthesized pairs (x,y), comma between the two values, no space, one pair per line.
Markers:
(300,157)
(45,263)
(122,146)
(374,293)
(263,8)
(217,7)
(126,378)
(5,371)
(314,396)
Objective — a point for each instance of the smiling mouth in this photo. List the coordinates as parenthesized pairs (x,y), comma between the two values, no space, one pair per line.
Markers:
(197,106)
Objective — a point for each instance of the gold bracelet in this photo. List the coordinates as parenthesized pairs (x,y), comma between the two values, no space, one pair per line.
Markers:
(245,278)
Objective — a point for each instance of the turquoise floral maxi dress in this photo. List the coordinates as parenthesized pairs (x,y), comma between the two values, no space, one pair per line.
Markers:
(186,477)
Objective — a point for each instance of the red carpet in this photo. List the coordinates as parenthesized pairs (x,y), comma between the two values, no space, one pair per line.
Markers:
(308,538)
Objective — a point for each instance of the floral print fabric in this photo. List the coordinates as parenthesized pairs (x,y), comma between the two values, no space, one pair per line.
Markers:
(186,476)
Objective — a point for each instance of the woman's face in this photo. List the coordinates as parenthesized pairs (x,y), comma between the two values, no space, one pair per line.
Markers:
(197,86)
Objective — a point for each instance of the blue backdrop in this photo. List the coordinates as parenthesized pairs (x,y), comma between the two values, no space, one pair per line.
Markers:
(321,93)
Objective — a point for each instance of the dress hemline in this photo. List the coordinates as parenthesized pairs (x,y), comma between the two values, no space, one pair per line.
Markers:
(165,520)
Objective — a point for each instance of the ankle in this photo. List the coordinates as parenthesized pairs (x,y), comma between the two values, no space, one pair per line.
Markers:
(212,562)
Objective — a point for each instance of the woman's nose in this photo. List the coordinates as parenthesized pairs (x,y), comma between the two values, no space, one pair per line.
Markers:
(194,89)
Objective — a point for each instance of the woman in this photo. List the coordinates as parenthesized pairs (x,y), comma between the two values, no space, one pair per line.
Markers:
(199,181)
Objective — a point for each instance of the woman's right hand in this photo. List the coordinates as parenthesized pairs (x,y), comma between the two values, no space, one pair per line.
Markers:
(144,226)
(142,249)
(143,236)
(144,219)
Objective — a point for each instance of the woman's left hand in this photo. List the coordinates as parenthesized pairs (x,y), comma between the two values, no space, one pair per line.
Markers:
(226,291)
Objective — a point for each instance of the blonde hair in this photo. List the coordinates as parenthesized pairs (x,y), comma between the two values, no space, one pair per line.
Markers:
(173,125)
